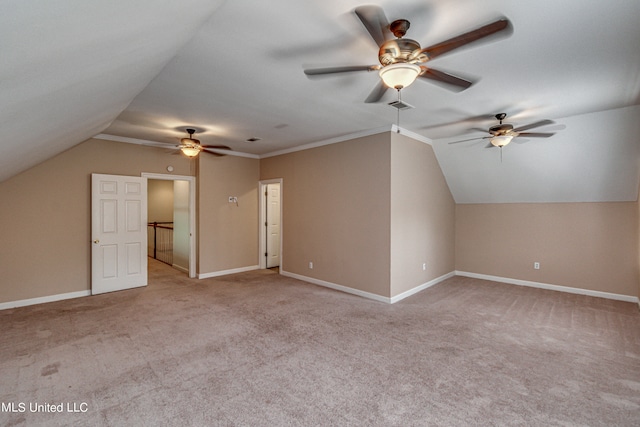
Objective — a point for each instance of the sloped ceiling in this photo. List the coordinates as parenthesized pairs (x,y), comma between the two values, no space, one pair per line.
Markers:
(69,68)
(234,70)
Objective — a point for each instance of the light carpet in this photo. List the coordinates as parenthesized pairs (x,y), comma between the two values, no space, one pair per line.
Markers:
(260,349)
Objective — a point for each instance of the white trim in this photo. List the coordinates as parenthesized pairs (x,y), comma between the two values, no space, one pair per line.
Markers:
(192,213)
(410,134)
(337,287)
(422,287)
(181,268)
(235,153)
(167,177)
(42,300)
(225,272)
(579,291)
(136,141)
(365,294)
(330,141)
(335,140)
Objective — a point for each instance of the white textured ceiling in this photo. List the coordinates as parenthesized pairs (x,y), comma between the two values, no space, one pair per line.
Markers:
(234,70)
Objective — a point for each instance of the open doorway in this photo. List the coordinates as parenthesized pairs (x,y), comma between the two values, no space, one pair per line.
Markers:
(174,219)
(270,248)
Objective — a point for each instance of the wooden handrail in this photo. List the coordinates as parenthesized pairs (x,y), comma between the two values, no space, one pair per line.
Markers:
(155,226)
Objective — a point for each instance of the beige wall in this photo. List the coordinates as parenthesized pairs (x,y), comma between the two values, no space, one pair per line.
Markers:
(336,212)
(422,216)
(227,234)
(160,200)
(592,246)
(368,212)
(45,218)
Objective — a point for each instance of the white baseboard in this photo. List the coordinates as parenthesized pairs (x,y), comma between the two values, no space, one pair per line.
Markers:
(225,272)
(579,291)
(42,300)
(337,287)
(181,268)
(365,294)
(422,287)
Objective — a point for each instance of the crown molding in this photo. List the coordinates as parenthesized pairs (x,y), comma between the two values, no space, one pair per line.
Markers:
(335,140)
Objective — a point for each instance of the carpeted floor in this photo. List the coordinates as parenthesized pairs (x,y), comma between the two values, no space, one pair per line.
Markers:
(260,349)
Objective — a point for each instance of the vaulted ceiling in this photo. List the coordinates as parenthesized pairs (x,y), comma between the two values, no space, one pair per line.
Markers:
(144,71)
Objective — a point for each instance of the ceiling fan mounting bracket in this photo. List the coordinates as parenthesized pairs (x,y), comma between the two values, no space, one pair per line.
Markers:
(399,27)
(501,116)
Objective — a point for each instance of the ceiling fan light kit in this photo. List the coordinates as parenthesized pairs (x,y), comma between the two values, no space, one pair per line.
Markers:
(190,150)
(190,146)
(501,140)
(399,75)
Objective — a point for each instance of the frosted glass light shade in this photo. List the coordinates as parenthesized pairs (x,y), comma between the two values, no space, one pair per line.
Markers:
(399,75)
(190,150)
(501,140)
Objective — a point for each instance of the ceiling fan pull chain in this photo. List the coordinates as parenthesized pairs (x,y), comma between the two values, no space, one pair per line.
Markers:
(398,113)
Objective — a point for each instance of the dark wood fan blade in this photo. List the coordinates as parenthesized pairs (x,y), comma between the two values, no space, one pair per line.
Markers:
(534,125)
(210,149)
(501,26)
(335,70)
(452,82)
(536,134)
(377,93)
(219,147)
(470,139)
(375,21)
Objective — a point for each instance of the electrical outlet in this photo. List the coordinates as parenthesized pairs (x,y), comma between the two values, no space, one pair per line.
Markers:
(311,265)
(233,199)
(536,266)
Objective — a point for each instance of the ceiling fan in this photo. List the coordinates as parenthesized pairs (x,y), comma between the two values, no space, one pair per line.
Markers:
(503,133)
(403,60)
(191,147)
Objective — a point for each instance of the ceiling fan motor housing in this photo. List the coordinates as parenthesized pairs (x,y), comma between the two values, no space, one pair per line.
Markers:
(398,50)
(501,129)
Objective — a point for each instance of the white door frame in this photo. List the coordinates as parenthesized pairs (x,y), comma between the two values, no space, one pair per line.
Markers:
(262,206)
(192,212)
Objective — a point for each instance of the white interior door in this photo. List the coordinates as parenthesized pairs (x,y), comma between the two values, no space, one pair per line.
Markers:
(273,225)
(119,232)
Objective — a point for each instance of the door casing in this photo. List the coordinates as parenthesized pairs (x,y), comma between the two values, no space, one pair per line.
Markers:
(262,206)
(192,213)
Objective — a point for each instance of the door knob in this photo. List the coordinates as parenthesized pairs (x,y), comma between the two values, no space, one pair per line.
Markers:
(96,241)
